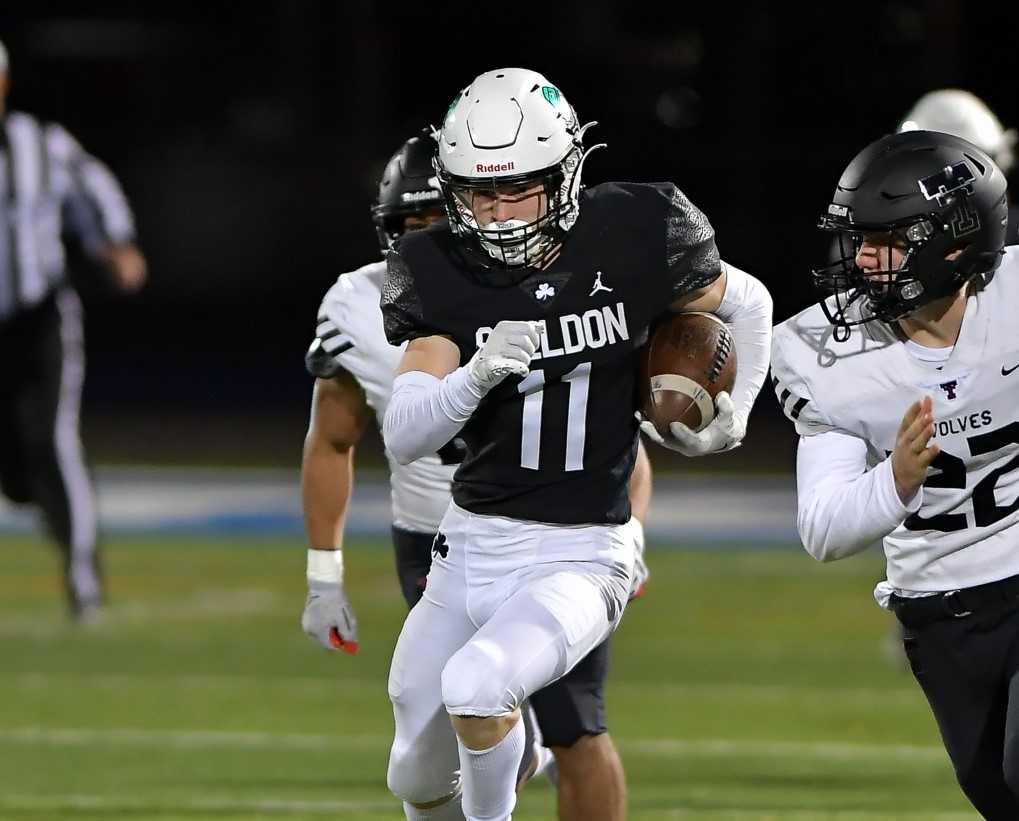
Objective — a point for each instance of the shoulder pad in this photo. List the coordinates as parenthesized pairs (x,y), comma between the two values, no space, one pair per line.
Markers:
(331,337)
(791,374)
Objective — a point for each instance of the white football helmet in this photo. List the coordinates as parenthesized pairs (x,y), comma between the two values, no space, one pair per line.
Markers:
(509,131)
(963,114)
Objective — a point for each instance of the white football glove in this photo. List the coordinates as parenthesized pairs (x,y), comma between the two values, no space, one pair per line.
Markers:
(724,432)
(508,350)
(328,617)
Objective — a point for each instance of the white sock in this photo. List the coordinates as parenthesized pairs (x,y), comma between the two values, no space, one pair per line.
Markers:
(490,777)
(450,811)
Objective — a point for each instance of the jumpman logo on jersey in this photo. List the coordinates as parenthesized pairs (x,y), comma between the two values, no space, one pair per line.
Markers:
(598,286)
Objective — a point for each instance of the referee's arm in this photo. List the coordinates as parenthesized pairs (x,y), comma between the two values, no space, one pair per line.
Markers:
(96,210)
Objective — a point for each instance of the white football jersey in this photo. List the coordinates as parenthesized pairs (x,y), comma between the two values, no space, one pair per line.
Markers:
(350,330)
(965,532)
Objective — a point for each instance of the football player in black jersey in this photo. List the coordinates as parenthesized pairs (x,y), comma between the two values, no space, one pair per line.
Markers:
(354,369)
(523,319)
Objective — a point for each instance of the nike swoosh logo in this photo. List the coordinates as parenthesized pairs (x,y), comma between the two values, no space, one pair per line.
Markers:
(1006,371)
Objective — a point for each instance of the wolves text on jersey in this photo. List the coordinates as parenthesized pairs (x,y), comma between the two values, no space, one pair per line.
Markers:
(961,424)
(572,333)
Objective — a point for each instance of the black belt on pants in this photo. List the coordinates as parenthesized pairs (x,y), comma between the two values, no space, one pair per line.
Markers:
(955,604)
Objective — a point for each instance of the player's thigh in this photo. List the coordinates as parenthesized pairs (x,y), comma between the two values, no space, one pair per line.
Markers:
(432,632)
(1010,630)
(574,706)
(959,664)
(424,759)
(557,615)
(424,754)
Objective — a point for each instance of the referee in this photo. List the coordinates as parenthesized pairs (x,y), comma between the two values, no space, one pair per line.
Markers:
(49,185)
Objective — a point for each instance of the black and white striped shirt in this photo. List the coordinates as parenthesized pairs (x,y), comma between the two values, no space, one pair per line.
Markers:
(48,183)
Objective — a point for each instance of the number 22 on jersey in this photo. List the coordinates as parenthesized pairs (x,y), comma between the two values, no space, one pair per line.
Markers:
(952,474)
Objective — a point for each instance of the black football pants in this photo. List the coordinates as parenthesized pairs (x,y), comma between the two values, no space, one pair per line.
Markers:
(969,670)
(41,458)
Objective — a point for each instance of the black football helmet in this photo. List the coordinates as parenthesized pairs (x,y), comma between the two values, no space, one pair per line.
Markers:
(407,187)
(933,194)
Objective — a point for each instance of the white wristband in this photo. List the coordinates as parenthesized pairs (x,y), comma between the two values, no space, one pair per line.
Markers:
(325,566)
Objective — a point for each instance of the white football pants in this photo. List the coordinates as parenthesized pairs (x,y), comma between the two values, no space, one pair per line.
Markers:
(511,607)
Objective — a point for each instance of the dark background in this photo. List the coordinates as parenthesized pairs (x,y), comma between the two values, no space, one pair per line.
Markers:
(249,138)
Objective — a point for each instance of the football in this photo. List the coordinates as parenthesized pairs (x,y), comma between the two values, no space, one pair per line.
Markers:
(689,360)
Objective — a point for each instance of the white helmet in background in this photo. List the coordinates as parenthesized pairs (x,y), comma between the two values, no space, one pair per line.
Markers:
(511,130)
(962,114)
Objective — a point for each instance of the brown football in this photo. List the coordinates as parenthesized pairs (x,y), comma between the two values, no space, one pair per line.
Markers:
(689,360)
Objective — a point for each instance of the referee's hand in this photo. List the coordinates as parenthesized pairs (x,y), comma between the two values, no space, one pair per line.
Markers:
(127,265)
(913,452)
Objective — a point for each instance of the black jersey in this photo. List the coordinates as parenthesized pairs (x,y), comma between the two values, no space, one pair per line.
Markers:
(558,445)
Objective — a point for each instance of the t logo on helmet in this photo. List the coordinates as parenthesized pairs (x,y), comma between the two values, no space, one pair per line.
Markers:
(941,186)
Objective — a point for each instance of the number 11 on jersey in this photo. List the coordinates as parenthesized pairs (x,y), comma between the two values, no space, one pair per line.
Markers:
(533,388)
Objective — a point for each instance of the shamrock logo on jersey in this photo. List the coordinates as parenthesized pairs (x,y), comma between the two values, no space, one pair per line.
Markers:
(440,547)
(544,291)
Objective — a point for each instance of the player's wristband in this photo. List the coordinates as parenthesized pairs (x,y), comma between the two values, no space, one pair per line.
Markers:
(325,565)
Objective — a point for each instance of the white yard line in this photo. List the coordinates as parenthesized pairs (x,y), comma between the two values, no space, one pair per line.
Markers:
(188,739)
(208,739)
(196,606)
(780,693)
(811,815)
(200,804)
(271,806)
(833,750)
(725,691)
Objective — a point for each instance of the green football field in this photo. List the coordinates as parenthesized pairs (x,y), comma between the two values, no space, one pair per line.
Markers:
(745,685)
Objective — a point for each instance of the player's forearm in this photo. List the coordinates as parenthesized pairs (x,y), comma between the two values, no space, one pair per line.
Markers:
(327,479)
(426,412)
(746,308)
(842,507)
(640,485)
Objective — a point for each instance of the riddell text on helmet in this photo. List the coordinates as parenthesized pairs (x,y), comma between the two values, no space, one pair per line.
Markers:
(483,168)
